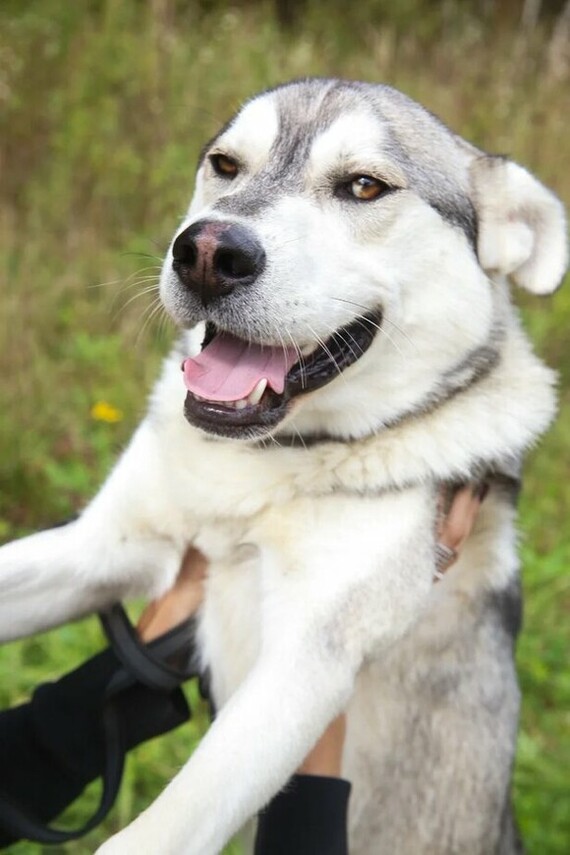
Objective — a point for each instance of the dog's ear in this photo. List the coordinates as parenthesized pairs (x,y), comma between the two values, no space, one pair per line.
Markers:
(522,228)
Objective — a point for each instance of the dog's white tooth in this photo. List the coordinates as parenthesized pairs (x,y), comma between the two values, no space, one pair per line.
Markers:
(255,396)
(241,404)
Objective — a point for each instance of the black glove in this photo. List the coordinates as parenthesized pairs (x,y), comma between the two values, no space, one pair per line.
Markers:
(307,817)
(73,730)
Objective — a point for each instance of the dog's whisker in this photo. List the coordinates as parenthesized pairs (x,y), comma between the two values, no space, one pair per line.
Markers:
(162,327)
(335,331)
(150,307)
(341,334)
(147,255)
(401,332)
(144,281)
(161,245)
(300,435)
(143,269)
(353,340)
(385,320)
(162,335)
(382,331)
(123,291)
(274,440)
(150,282)
(125,279)
(140,278)
(106,284)
(128,286)
(283,348)
(151,289)
(295,348)
(326,349)
(301,359)
(155,309)
(287,242)
(249,332)
(398,349)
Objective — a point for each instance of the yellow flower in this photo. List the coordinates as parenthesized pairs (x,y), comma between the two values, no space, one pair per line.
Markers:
(102,411)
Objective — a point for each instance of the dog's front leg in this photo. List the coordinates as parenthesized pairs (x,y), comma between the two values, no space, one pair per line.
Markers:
(346,585)
(117,547)
(249,752)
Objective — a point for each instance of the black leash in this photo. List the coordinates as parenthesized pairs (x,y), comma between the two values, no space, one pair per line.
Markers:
(21,825)
(163,666)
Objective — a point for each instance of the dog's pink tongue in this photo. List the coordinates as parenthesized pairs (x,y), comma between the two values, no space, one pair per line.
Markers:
(228,368)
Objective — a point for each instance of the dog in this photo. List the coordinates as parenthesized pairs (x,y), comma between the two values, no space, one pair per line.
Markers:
(349,346)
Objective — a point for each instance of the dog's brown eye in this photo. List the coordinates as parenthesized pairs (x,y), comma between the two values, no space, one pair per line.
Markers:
(224,166)
(366,188)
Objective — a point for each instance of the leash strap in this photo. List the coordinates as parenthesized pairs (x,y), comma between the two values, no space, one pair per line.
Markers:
(20,824)
(150,664)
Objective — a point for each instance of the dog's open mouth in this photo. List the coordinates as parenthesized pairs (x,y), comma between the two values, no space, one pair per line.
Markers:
(242,390)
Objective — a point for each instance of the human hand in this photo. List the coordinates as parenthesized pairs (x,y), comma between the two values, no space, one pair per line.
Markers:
(180,602)
(455,527)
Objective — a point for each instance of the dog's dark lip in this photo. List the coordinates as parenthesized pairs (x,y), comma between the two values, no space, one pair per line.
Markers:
(342,349)
(249,423)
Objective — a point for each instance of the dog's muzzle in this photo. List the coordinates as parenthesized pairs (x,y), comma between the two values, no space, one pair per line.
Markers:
(241,388)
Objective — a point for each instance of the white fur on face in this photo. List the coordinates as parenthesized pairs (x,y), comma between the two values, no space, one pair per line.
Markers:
(249,140)
(355,141)
(253,133)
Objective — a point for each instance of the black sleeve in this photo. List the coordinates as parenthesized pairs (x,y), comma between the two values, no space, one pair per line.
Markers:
(308,817)
(51,747)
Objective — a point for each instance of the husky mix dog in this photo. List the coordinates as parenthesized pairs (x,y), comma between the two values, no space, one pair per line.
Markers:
(348,347)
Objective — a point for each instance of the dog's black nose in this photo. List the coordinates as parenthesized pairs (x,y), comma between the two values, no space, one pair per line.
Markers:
(211,258)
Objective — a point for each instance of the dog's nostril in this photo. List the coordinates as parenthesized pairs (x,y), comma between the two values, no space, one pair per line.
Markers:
(234,263)
(185,253)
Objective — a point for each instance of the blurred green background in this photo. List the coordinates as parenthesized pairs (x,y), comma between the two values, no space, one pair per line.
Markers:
(104,105)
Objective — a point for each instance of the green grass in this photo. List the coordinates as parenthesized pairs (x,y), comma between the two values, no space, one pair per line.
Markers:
(104,106)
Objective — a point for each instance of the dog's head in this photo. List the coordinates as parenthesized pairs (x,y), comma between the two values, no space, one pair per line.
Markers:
(343,260)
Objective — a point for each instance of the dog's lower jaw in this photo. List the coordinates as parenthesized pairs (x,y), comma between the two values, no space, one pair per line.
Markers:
(250,423)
